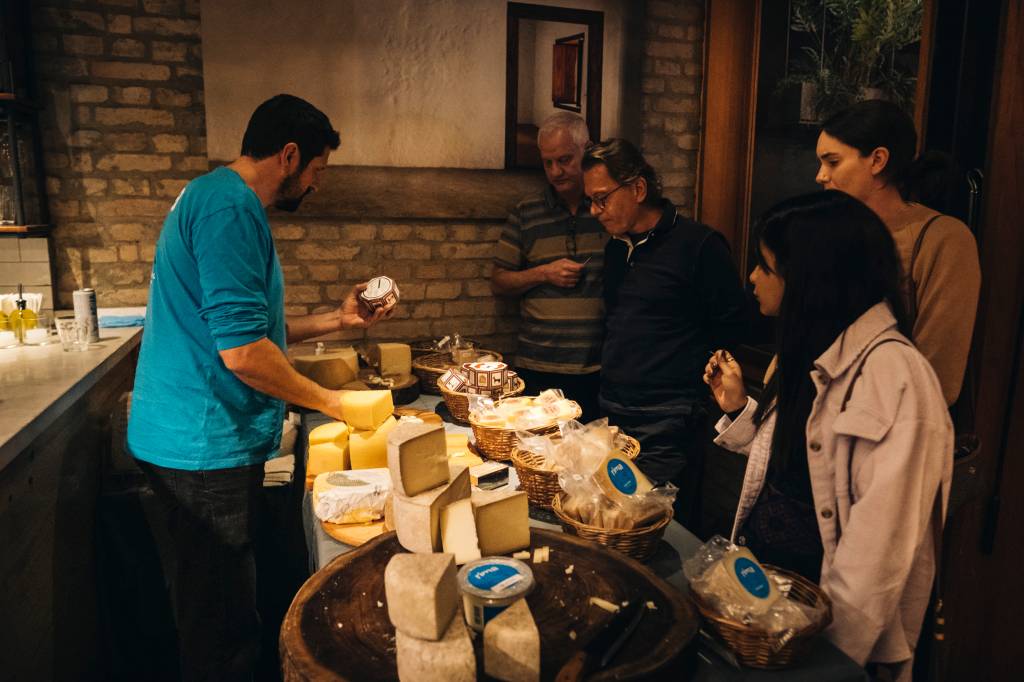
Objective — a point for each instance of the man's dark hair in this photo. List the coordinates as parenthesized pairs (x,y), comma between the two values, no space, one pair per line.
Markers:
(837,260)
(283,119)
(625,164)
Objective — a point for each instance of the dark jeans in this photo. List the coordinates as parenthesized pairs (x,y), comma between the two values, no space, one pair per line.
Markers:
(583,388)
(213,517)
(670,451)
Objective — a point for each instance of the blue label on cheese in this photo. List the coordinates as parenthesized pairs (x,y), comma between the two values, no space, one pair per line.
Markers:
(494,577)
(621,476)
(752,577)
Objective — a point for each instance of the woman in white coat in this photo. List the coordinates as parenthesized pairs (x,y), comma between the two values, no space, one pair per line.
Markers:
(849,448)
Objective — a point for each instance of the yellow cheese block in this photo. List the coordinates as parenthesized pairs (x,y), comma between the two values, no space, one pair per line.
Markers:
(366,410)
(369,449)
(332,369)
(335,432)
(327,457)
(393,359)
(457,461)
(457,442)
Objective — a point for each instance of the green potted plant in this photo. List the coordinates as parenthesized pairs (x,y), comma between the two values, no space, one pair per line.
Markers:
(852,51)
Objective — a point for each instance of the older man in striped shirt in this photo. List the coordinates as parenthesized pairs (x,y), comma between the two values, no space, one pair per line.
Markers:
(551,255)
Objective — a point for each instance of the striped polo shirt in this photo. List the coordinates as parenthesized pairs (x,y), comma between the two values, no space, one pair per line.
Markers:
(562,328)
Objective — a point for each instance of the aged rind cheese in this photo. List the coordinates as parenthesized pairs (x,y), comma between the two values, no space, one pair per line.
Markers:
(393,359)
(333,432)
(417,456)
(351,497)
(418,518)
(451,659)
(422,593)
(366,410)
(327,457)
(512,645)
(369,449)
(502,521)
(620,479)
(458,531)
(331,369)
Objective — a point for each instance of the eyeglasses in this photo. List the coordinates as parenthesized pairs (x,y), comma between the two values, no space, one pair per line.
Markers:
(601,200)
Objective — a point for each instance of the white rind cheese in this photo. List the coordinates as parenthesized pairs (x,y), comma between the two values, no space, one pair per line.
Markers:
(458,531)
(502,521)
(369,449)
(449,660)
(417,457)
(512,645)
(418,518)
(351,497)
(423,594)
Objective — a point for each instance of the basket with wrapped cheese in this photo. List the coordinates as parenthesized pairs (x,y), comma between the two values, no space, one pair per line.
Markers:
(765,614)
(495,423)
(491,379)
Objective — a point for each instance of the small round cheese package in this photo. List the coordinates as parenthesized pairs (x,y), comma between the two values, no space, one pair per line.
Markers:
(381,293)
(490,585)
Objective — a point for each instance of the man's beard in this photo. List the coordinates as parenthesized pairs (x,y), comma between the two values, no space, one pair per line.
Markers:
(284,202)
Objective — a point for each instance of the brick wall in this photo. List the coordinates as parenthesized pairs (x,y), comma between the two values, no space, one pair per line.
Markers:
(121,83)
(672,68)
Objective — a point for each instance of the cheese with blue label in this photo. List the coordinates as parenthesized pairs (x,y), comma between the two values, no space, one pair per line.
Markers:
(620,479)
(739,581)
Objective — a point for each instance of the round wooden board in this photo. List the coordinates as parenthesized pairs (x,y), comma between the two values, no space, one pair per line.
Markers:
(335,629)
(354,534)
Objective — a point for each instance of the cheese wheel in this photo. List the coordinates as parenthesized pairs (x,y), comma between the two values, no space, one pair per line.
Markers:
(351,497)
(512,645)
(502,520)
(417,519)
(369,449)
(417,457)
(366,410)
(331,369)
(422,593)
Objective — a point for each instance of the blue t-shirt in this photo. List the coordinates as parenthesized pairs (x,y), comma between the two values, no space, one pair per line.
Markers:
(216,284)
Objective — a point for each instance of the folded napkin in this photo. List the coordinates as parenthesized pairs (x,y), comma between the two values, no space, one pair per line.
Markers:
(122,321)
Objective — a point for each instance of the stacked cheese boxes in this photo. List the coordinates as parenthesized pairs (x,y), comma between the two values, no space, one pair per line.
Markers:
(492,379)
(437,511)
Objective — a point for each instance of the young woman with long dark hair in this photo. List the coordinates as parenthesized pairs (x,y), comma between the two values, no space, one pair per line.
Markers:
(849,448)
(869,152)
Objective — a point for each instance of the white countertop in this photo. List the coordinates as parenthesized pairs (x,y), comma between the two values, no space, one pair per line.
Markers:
(38,383)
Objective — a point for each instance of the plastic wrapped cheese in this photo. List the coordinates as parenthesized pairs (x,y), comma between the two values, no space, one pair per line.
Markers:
(351,496)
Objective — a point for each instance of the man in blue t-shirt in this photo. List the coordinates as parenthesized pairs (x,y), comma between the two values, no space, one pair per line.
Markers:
(213,378)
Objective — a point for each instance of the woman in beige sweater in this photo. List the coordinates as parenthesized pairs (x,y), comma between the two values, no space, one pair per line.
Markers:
(868,151)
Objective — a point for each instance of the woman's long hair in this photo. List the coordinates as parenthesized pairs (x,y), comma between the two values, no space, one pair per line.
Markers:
(837,260)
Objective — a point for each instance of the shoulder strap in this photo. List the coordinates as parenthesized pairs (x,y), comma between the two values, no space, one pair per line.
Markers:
(860,369)
(911,284)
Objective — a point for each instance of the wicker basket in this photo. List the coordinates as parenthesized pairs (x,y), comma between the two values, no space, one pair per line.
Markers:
(458,403)
(754,648)
(638,543)
(431,366)
(497,443)
(422,347)
(541,485)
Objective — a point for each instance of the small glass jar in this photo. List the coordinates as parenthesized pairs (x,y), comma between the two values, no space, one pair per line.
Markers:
(491,585)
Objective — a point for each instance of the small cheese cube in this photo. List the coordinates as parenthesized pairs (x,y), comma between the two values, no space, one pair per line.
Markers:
(417,519)
(512,645)
(458,531)
(417,457)
(620,479)
(366,410)
(334,432)
(423,594)
(393,359)
(369,449)
(332,369)
(502,521)
(327,457)
(449,660)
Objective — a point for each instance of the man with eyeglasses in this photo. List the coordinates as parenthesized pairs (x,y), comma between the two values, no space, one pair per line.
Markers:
(551,254)
(671,293)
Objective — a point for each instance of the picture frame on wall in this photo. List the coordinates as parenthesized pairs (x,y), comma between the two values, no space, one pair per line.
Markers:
(567,73)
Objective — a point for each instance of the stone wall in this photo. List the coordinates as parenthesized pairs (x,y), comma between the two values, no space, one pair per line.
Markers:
(121,83)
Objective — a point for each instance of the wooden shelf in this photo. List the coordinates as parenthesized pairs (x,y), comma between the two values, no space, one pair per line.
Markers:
(24,230)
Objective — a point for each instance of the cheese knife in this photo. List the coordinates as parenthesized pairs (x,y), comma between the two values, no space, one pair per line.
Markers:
(604,645)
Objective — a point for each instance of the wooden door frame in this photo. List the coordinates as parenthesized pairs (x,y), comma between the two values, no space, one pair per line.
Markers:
(594,22)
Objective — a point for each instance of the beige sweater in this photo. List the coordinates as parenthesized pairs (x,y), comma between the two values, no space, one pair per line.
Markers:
(948,279)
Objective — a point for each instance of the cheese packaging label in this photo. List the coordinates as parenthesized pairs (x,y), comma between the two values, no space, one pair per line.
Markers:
(621,476)
(494,577)
(752,577)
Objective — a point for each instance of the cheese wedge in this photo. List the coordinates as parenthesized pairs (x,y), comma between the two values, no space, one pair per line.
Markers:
(450,659)
(418,518)
(366,410)
(502,521)
(334,432)
(369,449)
(462,460)
(422,593)
(332,369)
(417,458)
(512,645)
(458,531)
(326,457)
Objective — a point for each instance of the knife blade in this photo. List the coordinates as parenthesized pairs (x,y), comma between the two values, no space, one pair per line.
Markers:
(604,644)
